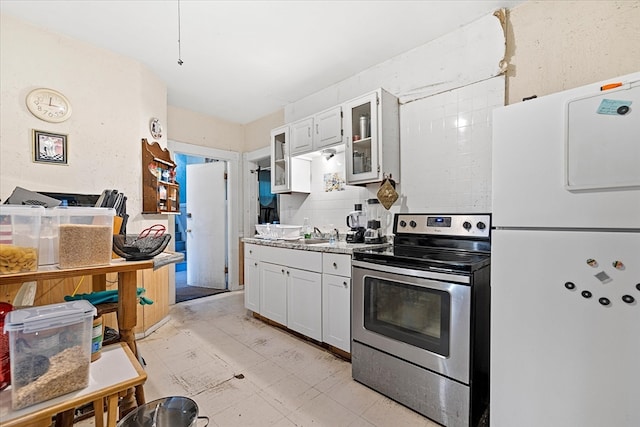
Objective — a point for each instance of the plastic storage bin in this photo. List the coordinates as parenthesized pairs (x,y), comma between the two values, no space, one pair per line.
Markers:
(85,236)
(49,243)
(50,350)
(19,238)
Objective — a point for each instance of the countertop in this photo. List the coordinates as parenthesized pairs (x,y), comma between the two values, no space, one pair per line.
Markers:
(340,247)
(166,258)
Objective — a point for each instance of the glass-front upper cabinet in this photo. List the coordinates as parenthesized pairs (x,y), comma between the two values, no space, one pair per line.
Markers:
(371,126)
(280,173)
(288,174)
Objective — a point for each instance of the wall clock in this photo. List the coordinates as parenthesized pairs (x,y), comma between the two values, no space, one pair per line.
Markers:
(48,105)
(155,128)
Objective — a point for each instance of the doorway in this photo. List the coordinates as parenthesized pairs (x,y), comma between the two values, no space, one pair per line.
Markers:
(257,181)
(207,218)
(201,227)
(267,201)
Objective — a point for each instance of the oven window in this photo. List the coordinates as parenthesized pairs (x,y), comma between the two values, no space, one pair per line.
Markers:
(412,314)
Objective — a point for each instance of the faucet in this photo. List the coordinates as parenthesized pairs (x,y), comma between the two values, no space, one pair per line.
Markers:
(333,238)
(316,231)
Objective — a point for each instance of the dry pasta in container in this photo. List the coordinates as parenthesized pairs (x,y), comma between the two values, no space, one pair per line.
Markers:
(19,238)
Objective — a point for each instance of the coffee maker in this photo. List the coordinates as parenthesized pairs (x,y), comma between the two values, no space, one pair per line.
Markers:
(356,221)
(373,233)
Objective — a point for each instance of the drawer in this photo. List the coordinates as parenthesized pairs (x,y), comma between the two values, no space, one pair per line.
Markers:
(337,264)
(293,258)
(252,251)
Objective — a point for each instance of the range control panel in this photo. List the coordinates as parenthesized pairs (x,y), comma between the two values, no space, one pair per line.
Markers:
(465,225)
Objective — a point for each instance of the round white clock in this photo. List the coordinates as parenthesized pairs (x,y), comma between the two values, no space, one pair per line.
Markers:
(49,105)
(155,128)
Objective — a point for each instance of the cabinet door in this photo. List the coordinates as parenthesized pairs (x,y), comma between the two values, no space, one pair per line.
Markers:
(280,164)
(361,155)
(304,303)
(327,128)
(336,311)
(372,138)
(273,292)
(301,136)
(251,284)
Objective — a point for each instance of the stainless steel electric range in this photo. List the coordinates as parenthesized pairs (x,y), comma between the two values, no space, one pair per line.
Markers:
(420,316)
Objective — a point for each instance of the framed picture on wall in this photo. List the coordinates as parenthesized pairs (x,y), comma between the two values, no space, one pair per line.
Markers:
(49,147)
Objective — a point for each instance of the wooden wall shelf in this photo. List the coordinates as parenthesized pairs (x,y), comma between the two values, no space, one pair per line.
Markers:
(160,191)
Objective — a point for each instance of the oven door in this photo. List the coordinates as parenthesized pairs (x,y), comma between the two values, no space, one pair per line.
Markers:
(419,316)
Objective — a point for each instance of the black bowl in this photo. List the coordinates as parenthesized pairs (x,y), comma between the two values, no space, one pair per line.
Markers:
(134,248)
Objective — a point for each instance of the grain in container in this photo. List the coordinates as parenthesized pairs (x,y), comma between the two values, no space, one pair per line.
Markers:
(50,350)
(85,236)
(19,238)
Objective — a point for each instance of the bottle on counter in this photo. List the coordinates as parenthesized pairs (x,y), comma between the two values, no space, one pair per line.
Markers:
(306,228)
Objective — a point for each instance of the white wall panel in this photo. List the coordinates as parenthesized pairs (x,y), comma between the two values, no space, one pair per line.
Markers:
(470,54)
(446,149)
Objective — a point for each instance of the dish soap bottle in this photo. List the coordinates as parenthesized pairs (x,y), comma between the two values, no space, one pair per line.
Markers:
(306,228)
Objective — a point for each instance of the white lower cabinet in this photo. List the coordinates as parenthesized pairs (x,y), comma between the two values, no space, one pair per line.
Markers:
(251,285)
(273,292)
(311,294)
(304,303)
(252,278)
(336,311)
(336,300)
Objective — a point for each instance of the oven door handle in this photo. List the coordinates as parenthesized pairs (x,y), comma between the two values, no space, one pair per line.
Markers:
(442,273)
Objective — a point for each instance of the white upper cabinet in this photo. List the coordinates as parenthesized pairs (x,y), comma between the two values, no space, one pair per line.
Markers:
(372,137)
(287,174)
(280,164)
(327,128)
(302,136)
(316,132)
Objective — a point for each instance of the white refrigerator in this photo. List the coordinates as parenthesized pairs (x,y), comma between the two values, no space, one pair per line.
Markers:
(565,264)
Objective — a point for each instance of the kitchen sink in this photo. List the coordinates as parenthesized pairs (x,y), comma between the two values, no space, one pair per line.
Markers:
(313,241)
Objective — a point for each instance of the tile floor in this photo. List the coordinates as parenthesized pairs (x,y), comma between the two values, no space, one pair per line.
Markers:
(201,352)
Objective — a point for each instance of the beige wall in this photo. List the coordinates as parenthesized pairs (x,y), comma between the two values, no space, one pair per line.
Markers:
(195,128)
(112,97)
(558,45)
(257,133)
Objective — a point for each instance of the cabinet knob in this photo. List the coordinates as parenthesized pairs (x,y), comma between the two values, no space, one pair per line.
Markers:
(287,273)
(255,263)
(250,251)
(344,284)
(335,265)
(282,271)
(188,230)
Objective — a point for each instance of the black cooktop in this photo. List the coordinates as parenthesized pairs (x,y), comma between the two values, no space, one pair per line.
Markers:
(457,243)
(420,258)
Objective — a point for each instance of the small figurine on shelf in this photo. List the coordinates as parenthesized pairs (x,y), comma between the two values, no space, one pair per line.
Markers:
(165,175)
(172,176)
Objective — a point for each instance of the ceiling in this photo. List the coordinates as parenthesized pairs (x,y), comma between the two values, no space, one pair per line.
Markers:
(243,60)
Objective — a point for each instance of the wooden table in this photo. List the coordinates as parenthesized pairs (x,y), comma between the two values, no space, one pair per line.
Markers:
(127,297)
(116,371)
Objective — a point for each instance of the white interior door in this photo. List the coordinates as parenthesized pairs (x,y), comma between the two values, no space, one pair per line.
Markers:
(206,225)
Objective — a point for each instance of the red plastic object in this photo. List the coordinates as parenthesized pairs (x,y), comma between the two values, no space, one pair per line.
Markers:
(155,230)
(5,368)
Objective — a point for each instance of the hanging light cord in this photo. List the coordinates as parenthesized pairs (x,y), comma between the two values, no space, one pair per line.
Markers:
(180,62)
